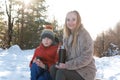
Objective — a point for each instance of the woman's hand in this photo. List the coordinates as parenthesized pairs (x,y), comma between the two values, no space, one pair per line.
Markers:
(61,66)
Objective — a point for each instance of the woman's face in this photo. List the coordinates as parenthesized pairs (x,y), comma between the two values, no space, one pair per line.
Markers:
(46,42)
(71,21)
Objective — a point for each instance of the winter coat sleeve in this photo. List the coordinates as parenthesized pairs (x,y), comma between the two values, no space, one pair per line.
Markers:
(84,55)
(34,55)
(56,57)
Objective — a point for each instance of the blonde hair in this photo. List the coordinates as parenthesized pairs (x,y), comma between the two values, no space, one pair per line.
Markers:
(67,31)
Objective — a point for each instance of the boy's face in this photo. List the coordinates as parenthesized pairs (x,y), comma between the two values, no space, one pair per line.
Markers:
(46,42)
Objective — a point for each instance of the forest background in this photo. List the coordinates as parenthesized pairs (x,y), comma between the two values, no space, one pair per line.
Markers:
(22,24)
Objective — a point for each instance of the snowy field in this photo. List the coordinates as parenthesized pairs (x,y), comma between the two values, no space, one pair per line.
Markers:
(14,65)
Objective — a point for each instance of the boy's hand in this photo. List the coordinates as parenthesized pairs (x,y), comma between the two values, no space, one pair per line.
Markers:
(40,63)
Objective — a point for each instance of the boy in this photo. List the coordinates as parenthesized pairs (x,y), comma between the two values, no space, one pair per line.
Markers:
(44,56)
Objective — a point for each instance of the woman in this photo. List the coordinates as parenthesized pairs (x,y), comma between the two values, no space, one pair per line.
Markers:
(79,64)
(44,56)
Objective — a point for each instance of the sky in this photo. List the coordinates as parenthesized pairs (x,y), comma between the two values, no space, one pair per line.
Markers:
(97,15)
(14,65)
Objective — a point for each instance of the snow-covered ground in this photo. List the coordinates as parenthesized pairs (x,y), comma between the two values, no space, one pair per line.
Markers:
(14,65)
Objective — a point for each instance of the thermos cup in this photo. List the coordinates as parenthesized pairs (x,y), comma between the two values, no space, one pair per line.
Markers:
(62,54)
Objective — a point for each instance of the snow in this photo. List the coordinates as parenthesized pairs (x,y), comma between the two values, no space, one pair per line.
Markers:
(14,65)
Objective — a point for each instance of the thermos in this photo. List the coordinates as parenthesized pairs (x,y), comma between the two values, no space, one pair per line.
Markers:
(62,54)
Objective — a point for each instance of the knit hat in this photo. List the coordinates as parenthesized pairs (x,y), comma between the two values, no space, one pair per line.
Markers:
(48,33)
